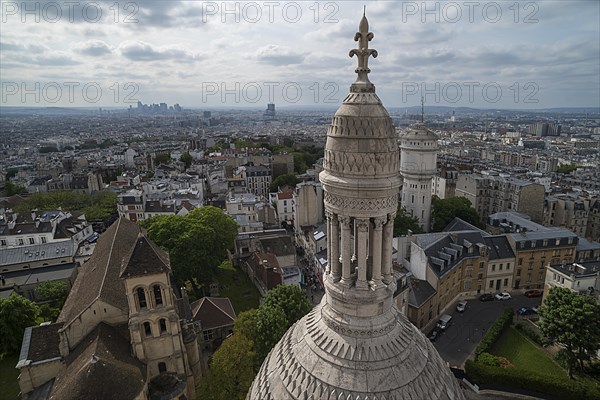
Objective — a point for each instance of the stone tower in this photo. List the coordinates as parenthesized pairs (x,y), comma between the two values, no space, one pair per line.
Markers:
(418,164)
(356,344)
(158,338)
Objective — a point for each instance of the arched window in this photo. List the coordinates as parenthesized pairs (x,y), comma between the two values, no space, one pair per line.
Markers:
(141,295)
(163,326)
(162,367)
(157,295)
(147,329)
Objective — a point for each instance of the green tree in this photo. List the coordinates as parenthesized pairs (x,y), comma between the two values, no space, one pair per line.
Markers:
(187,159)
(196,242)
(16,314)
(162,158)
(282,180)
(271,325)
(245,324)
(97,206)
(404,222)
(231,371)
(12,189)
(572,320)
(566,168)
(55,292)
(291,299)
(443,211)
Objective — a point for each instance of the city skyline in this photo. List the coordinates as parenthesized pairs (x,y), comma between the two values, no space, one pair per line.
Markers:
(522,55)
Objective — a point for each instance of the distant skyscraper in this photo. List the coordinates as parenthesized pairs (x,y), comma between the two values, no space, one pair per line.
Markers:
(270,111)
(418,161)
(356,344)
(542,129)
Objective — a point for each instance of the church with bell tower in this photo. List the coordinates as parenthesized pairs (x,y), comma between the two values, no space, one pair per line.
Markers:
(356,344)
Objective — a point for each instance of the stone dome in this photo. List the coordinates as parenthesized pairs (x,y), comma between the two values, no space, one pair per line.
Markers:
(356,345)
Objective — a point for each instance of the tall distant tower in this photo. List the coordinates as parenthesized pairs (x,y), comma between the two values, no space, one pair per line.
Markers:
(418,164)
(356,344)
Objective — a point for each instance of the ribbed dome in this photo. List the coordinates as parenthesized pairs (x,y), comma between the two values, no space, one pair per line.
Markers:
(356,345)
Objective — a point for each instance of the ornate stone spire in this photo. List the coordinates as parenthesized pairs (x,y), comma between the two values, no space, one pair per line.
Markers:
(363,37)
(356,344)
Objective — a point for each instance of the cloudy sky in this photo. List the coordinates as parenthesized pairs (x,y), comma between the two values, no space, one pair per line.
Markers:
(501,54)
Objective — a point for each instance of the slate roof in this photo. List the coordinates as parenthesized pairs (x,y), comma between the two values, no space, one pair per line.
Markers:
(280,246)
(145,258)
(99,276)
(449,250)
(40,343)
(213,312)
(37,252)
(26,228)
(101,367)
(420,291)
(458,224)
(499,247)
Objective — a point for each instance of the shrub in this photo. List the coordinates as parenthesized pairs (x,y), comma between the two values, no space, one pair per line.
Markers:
(531,334)
(523,379)
(492,335)
(488,359)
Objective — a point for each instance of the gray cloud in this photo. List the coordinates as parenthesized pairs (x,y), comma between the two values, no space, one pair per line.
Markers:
(94,48)
(141,51)
(278,55)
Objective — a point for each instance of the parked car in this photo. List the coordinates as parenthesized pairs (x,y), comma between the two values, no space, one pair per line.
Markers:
(535,309)
(526,311)
(486,297)
(503,296)
(461,306)
(434,334)
(534,293)
(444,322)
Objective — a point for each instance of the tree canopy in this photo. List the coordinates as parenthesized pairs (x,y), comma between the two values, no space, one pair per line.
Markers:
(11,189)
(404,222)
(443,211)
(283,180)
(187,159)
(572,320)
(262,328)
(96,206)
(16,314)
(162,158)
(231,371)
(196,242)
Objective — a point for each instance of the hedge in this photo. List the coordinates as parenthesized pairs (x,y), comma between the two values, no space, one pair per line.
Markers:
(523,379)
(492,335)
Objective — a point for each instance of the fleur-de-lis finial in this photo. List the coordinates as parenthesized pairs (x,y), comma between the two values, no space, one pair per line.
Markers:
(363,37)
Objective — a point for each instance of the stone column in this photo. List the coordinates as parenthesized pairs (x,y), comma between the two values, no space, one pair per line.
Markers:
(388,235)
(334,238)
(346,258)
(376,249)
(329,217)
(362,228)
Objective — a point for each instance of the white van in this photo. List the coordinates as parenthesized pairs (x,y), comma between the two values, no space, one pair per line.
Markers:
(444,322)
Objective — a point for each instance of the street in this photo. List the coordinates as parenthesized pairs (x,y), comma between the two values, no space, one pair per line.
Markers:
(460,339)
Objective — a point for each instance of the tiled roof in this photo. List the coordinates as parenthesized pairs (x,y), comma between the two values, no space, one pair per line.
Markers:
(101,367)
(99,276)
(40,343)
(146,258)
(213,312)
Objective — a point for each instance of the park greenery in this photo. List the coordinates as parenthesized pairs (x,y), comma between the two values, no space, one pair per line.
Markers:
(513,358)
(52,296)
(162,158)
(256,331)
(304,156)
(573,321)
(443,211)
(567,168)
(96,206)
(197,242)
(186,159)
